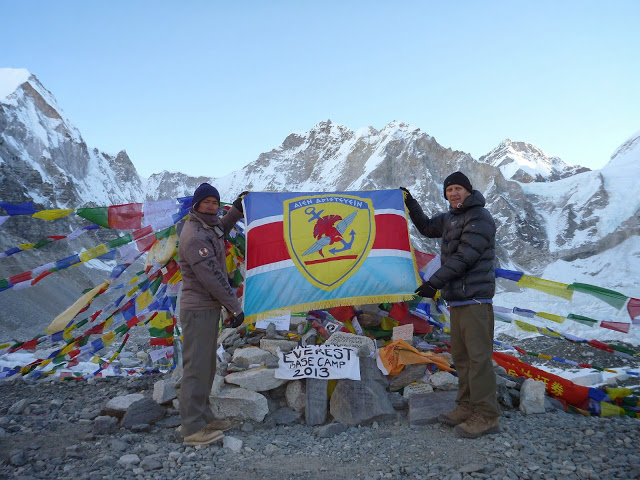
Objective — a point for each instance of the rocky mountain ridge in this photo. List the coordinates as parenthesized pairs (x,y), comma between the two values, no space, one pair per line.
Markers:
(43,159)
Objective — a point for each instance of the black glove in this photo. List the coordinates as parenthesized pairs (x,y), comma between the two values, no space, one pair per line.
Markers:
(407,196)
(236,320)
(238,201)
(426,290)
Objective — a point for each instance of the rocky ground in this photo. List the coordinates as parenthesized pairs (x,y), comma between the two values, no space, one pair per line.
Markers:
(52,437)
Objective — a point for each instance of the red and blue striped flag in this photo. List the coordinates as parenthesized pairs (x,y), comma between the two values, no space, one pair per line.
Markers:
(310,251)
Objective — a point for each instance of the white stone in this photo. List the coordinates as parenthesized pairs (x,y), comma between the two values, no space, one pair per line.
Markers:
(129,459)
(443,380)
(258,379)
(532,397)
(296,396)
(252,355)
(239,403)
(164,391)
(123,402)
(232,443)
(414,388)
(272,346)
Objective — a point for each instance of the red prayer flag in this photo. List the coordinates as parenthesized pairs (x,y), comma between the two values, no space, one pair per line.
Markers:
(146,243)
(617,326)
(21,277)
(167,342)
(399,311)
(143,232)
(600,345)
(633,307)
(127,216)
(30,345)
(420,326)
(422,259)
(342,313)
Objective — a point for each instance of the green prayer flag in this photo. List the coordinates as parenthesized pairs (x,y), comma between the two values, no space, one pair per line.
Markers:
(123,240)
(43,242)
(156,284)
(615,299)
(584,320)
(97,215)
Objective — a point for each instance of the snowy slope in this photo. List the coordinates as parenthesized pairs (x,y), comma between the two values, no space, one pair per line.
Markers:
(526,163)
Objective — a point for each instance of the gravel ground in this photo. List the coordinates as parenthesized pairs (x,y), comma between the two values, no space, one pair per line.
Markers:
(52,438)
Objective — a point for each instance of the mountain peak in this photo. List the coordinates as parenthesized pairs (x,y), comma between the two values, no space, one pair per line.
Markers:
(11,79)
(525,162)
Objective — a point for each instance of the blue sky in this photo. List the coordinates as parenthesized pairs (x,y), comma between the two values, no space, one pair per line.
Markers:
(204,87)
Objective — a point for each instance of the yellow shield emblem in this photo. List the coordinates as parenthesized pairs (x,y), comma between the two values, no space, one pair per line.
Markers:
(328,236)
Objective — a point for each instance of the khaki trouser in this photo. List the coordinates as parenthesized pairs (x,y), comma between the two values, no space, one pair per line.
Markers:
(472,350)
(200,331)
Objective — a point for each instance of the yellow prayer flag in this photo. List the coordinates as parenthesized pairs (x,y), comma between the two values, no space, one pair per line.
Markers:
(347,323)
(546,286)
(527,327)
(609,410)
(134,280)
(52,214)
(618,392)
(144,300)
(67,349)
(69,314)
(26,246)
(230,265)
(550,333)
(177,277)
(162,320)
(550,316)
(388,323)
(93,253)
(95,359)
(108,338)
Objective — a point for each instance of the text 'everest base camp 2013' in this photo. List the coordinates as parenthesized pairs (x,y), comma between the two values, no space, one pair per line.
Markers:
(96,350)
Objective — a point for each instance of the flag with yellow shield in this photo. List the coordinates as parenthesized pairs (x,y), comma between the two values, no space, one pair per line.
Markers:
(321,250)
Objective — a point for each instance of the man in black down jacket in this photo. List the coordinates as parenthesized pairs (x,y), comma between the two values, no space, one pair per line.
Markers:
(466,280)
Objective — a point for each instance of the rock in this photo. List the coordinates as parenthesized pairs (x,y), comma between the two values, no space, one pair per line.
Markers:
(309,338)
(104,425)
(532,397)
(285,416)
(398,401)
(252,356)
(295,395)
(424,408)
(357,342)
(116,407)
(359,402)
(443,381)
(18,407)
(258,379)
(368,320)
(232,443)
(152,462)
(409,374)
(553,404)
(504,397)
(416,388)
(316,401)
(129,460)
(17,457)
(164,391)
(330,430)
(272,345)
(239,403)
(218,384)
(143,411)
(168,422)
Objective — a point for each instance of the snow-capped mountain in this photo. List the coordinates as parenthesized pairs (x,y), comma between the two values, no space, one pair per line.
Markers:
(526,163)
(45,159)
(544,226)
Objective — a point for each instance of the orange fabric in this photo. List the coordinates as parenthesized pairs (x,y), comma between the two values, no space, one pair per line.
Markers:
(397,354)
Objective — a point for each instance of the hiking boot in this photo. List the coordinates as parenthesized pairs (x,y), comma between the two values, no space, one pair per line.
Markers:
(478,425)
(203,437)
(222,424)
(462,413)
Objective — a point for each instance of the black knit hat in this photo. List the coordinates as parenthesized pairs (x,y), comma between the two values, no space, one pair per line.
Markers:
(457,178)
(203,191)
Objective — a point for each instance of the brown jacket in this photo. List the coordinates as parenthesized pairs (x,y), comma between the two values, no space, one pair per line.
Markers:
(202,260)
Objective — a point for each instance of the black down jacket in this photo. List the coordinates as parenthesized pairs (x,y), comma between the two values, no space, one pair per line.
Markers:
(467,252)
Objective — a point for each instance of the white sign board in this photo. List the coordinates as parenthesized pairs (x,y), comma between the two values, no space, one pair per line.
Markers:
(318,361)
(281,321)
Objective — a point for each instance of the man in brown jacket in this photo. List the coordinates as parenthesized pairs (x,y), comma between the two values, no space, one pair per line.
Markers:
(205,289)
